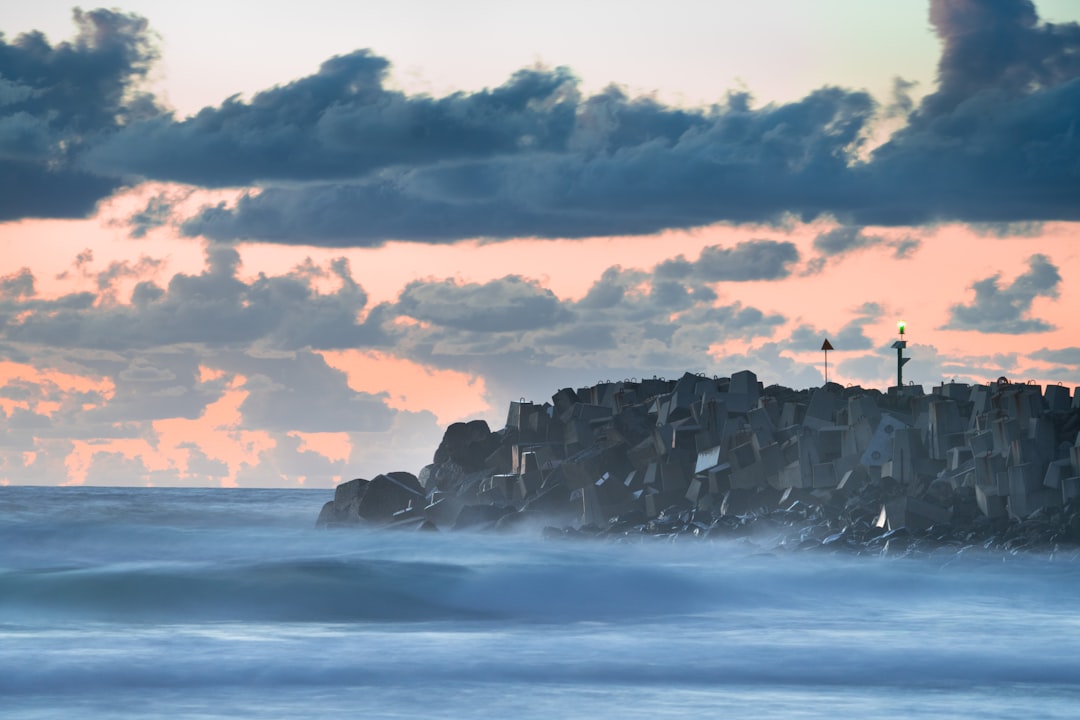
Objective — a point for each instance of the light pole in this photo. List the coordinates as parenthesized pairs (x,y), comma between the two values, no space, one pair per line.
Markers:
(900,359)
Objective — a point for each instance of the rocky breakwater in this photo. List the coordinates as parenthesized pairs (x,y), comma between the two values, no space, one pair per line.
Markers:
(994,465)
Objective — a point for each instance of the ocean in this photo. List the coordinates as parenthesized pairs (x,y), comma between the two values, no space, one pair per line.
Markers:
(219,603)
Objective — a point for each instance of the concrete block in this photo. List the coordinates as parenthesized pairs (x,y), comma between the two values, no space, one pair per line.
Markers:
(772,409)
(791,475)
(652,476)
(1057,398)
(980,403)
(592,510)
(911,513)
(987,468)
(824,475)
(1003,482)
(791,414)
(1024,451)
(685,391)
(664,408)
(443,510)
(958,392)
(643,453)
(981,442)
(1070,489)
(762,425)
(684,437)
(1042,433)
(739,404)
(707,459)
(880,449)
(990,504)
(563,402)
(696,490)
(674,478)
(745,383)
(577,434)
(720,478)
(1020,402)
(984,422)
(852,481)
(944,426)
(821,412)
(1024,479)
(860,435)
(710,412)
(749,477)
(771,458)
(1056,472)
(531,475)
(907,453)
(663,438)
(1023,504)
(958,457)
(1005,430)
(830,442)
(863,407)
(498,488)
(742,456)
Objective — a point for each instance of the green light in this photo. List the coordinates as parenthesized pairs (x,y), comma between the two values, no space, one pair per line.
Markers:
(901,326)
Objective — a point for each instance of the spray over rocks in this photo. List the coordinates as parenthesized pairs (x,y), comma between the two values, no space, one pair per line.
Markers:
(839,468)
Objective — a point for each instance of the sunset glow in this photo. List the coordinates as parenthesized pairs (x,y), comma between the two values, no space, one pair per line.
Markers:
(301,261)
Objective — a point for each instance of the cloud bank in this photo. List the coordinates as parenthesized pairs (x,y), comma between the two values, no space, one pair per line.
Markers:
(338,159)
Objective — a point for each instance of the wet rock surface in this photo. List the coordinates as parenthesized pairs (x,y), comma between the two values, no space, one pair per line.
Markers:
(834,468)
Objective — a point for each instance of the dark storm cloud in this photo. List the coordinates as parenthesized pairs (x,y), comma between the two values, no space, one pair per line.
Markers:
(998,46)
(996,142)
(337,159)
(214,308)
(1008,310)
(844,239)
(342,123)
(746,261)
(509,304)
(1062,356)
(847,239)
(155,386)
(56,101)
(301,392)
(729,162)
(17,285)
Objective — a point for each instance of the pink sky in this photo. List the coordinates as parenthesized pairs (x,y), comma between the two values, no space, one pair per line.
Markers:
(360,287)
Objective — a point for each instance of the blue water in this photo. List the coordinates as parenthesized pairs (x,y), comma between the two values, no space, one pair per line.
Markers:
(210,603)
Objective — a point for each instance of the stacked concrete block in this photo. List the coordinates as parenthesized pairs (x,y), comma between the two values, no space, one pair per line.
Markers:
(945,428)
(642,451)
(912,514)
(879,450)
(1058,399)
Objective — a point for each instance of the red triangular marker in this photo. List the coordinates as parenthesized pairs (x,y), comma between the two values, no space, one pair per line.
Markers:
(826,345)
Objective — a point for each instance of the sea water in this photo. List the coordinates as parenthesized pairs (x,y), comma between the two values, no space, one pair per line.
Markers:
(216,603)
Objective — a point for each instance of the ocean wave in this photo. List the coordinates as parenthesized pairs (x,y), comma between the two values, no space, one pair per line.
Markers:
(297,590)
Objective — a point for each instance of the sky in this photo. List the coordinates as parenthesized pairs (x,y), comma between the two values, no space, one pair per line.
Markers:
(265,245)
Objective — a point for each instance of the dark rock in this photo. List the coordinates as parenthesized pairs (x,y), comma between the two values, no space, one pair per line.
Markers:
(716,457)
(481,516)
